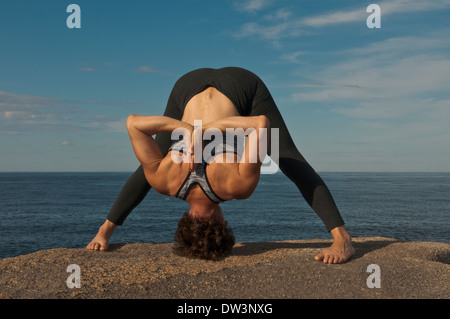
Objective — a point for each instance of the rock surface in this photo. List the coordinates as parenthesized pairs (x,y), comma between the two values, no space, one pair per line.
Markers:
(278,270)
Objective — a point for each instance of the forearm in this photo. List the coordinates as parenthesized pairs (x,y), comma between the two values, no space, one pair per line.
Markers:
(151,125)
(235,122)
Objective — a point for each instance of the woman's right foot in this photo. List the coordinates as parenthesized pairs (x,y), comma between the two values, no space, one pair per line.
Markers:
(101,240)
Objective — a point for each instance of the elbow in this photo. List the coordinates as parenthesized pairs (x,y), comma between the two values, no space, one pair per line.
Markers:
(130,121)
(264,122)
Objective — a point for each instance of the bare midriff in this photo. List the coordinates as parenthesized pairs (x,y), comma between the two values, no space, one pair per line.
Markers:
(208,105)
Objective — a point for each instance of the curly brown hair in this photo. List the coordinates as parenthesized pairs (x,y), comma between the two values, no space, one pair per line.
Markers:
(206,238)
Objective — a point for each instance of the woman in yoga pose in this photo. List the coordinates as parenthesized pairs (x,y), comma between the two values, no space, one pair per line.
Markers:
(222,98)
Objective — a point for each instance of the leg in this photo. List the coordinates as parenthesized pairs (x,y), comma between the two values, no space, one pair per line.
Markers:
(133,192)
(298,170)
(131,195)
(313,189)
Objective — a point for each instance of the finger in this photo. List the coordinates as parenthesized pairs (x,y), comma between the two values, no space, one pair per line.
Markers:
(191,163)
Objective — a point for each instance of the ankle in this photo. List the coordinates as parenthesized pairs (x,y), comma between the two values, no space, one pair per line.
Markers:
(340,234)
(107,228)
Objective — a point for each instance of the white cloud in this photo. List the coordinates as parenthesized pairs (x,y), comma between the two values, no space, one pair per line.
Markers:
(146,69)
(24,113)
(395,48)
(23,107)
(292,57)
(400,109)
(394,98)
(395,68)
(387,8)
(284,24)
(389,100)
(280,14)
(335,18)
(406,78)
(402,6)
(272,32)
(251,5)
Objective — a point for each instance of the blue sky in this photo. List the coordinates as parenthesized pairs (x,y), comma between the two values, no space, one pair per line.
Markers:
(354,98)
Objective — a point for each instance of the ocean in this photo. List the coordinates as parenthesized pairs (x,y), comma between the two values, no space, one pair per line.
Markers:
(64,210)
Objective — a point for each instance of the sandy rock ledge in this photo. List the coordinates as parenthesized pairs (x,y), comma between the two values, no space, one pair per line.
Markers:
(279,270)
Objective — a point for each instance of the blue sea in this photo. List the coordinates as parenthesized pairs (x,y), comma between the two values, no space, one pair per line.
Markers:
(53,210)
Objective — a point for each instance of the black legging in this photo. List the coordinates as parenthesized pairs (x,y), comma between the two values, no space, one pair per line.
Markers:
(250,97)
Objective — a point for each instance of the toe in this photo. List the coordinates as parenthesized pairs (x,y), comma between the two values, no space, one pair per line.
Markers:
(319,257)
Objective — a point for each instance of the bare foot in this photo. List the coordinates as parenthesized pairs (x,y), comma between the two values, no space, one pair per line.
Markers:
(340,251)
(101,240)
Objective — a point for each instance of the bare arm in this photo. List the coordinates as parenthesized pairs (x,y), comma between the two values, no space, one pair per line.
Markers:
(257,130)
(151,125)
(141,128)
(244,122)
